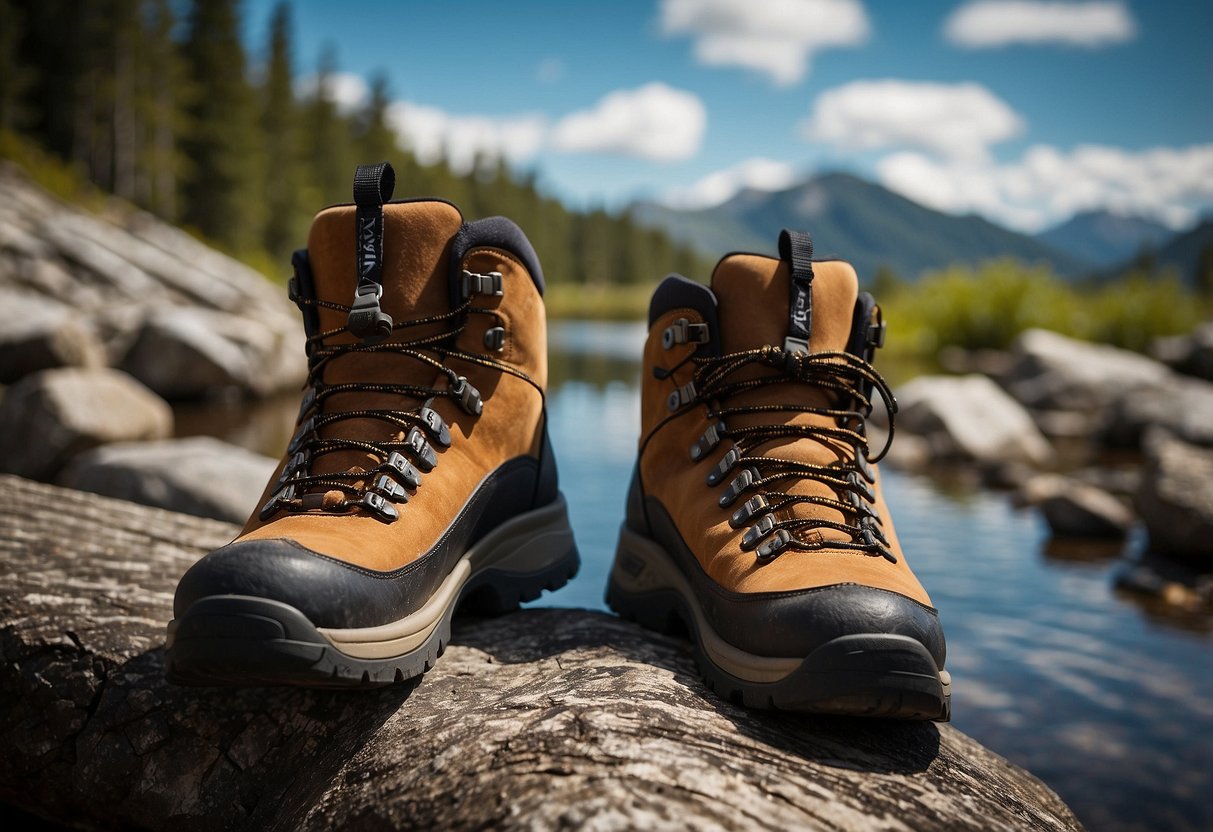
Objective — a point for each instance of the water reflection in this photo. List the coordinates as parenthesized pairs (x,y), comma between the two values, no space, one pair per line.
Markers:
(1098,692)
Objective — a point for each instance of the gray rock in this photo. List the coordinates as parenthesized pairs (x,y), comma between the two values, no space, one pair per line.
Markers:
(1053,372)
(1182,406)
(1176,497)
(39,334)
(969,417)
(1188,354)
(200,476)
(184,352)
(1076,509)
(51,416)
(117,273)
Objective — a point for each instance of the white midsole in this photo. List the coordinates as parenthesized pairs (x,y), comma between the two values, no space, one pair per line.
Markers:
(522,544)
(661,573)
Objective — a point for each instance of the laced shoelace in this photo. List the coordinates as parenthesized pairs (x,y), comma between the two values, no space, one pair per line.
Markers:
(400,462)
(846,378)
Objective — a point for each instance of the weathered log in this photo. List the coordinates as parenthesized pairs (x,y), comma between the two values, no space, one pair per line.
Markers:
(538,719)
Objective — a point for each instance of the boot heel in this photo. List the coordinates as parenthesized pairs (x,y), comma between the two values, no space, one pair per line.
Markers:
(639,588)
(518,561)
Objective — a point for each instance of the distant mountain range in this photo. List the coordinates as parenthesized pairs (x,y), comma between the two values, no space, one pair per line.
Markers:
(1102,238)
(871,227)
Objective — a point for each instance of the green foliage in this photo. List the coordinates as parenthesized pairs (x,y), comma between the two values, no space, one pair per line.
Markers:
(986,307)
(223,193)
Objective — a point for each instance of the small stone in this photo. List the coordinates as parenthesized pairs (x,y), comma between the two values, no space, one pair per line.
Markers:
(1075,509)
(49,417)
(199,475)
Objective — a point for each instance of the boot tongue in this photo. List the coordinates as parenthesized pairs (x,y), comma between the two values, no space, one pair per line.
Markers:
(415,276)
(754,299)
(416,241)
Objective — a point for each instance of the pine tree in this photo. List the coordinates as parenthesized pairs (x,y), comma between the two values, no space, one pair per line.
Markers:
(161,112)
(286,214)
(328,154)
(222,194)
(375,139)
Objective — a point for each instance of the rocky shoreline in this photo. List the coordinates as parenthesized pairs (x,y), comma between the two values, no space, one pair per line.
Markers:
(1100,440)
(110,318)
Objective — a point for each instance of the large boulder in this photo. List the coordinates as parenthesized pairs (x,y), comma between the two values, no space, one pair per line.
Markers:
(1183,406)
(118,273)
(970,418)
(186,352)
(1053,372)
(38,333)
(49,417)
(1188,354)
(200,476)
(1175,498)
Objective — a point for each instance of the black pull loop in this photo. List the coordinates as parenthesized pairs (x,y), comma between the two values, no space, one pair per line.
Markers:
(796,249)
(373,186)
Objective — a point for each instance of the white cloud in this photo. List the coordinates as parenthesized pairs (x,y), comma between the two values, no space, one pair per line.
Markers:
(952,120)
(1047,185)
(758,173)
(653,122)
(983,24)
(432,133)
(775,37)
(345,89)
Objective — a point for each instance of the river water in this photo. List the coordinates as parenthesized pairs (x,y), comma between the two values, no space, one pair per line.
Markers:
(1106,698)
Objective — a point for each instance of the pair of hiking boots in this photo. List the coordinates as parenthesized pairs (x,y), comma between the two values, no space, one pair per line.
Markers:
(421,477)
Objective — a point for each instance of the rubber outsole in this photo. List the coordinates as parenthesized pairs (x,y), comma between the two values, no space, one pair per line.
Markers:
(863,674)
(239,640)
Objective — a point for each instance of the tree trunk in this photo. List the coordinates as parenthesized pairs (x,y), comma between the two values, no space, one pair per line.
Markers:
(538,719)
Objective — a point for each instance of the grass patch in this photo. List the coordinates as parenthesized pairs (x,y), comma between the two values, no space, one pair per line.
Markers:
(600,302)
(987,306)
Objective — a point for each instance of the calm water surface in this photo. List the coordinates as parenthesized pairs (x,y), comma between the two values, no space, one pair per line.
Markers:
(1108,701)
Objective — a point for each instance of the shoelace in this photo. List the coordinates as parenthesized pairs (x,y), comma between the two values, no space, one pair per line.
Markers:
(401,462)
(847,377)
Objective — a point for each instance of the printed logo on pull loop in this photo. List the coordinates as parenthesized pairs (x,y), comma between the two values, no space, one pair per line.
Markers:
(373,186)
(796,249)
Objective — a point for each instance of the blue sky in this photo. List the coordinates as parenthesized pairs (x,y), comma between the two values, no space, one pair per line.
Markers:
(1023,111)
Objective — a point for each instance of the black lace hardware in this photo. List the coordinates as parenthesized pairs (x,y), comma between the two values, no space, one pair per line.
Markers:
(681,396)
(682,331)
(750,508)
(396,464)
(435,426)
(422,452)
(301,434)
(494,338)
(775,544)
(378,507)
(708,442)
(722,469)
(482,284)
(388,487)
(740,483)
(276,502)
(468,396)
(755,534)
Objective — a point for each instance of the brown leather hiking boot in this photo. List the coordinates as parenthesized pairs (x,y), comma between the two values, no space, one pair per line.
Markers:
(420,474)
(755,516)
